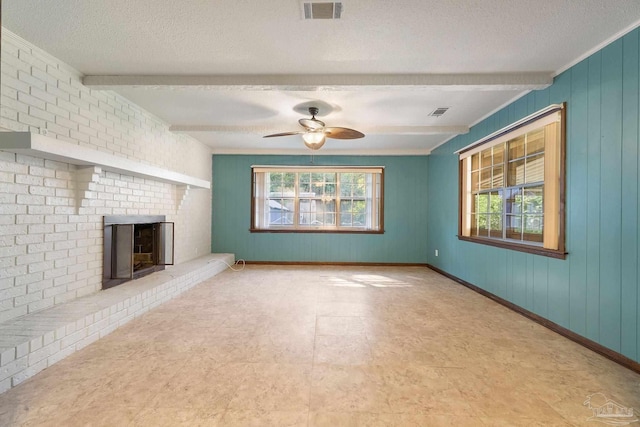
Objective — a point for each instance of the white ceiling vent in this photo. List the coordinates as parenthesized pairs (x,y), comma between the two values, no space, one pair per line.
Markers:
(439,111)
(321,10)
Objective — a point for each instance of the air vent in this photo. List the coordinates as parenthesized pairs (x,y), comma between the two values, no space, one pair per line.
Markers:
(439,111)
(322,10)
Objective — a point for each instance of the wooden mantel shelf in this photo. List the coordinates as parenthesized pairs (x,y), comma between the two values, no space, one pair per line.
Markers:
(36,145)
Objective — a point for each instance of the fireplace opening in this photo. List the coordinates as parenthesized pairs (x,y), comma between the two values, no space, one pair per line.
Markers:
(135,246)
(143,247)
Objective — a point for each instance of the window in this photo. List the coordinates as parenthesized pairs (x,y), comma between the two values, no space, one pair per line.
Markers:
(512,186)
(317,199)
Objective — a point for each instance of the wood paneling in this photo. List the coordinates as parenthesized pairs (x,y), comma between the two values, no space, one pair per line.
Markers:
(610,194)
(595,291)
(630,292)
(405,203)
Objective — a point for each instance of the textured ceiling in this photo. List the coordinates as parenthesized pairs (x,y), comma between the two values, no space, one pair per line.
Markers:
(380,69)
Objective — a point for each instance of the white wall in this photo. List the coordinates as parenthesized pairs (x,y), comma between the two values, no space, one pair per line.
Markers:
(51,248)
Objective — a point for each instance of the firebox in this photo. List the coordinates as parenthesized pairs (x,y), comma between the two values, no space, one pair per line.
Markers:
(134,246)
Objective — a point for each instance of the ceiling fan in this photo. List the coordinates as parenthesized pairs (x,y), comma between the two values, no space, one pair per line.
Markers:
(315,132)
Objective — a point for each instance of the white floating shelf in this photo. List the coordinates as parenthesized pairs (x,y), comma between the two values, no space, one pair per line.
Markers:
(36,145)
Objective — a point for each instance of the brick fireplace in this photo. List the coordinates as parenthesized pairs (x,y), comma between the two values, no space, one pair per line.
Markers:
(94,154)
(134,246)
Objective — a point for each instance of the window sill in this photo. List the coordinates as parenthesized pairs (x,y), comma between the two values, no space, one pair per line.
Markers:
(536,250)
(315,230)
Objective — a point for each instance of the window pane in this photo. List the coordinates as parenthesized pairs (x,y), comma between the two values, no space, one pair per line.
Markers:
(329,185)
(495,199)
(514,201)
(495,223)
(305,219)
(308,211)
(516,148)
(498,177)
(533,201)
(483,225)
(359,206)
(498,154)
(535,168)
(514,227)
(304,182)
(352,184)
(282,183)
(516,173)
(474,225)
(328,219)
(474,181)
(535,142)
(346,178)
(281,211)
(485,179)
(326,213)
(533,228)
(475,162)
(482,203)
(275,182)
(312,211)
(486,158)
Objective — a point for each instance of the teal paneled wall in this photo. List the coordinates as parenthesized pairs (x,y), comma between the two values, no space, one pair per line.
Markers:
(405,204)
(595,291)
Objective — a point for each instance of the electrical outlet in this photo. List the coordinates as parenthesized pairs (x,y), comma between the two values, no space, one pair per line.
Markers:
(436,252)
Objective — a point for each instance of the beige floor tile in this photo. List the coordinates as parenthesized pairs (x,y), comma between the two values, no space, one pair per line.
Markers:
(418,420)
(342,350)
(418,350)
(273,387)
(283,348)
(103,415)
(340,326)
(172,417)
(528,422)
(332,419)
(201,384)
(317,346)
(345,388)
(264,419)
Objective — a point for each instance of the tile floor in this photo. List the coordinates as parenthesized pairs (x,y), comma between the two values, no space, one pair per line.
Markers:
(334,346)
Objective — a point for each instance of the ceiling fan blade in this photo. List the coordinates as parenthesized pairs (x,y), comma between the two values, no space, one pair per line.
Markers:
(311,124)
(295,132)
(342,133)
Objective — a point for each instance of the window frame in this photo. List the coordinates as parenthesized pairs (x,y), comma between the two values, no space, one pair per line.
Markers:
(337,229)
(557,197)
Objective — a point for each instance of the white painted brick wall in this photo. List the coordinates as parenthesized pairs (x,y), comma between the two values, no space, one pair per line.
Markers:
(50,247)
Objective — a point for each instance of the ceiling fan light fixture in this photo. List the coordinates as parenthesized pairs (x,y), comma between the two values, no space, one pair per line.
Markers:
(316,133)
(314,139)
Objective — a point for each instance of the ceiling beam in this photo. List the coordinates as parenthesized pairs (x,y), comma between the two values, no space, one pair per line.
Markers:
(375,130)
(329,82)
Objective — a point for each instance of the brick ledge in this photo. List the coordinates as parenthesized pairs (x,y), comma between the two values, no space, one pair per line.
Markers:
(31,343)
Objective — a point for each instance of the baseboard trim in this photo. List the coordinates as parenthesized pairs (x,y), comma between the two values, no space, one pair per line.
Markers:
(346,264)
(585,342)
